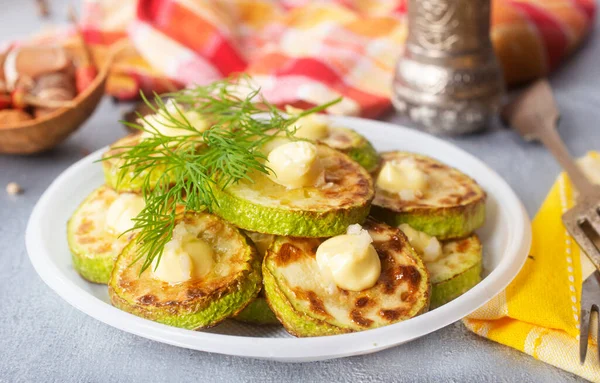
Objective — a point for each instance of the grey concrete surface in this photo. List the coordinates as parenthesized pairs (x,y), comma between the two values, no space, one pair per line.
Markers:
(43,339)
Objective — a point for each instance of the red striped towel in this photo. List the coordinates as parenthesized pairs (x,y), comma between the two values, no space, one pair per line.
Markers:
(302,52)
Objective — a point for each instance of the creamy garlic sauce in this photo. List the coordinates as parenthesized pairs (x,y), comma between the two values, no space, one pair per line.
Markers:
(185,257)
(428,247)
(295,165)
(349,261)
(120,214)
(404,178)
(312,127)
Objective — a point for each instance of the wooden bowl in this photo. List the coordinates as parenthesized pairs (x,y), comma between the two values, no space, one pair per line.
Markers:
(46,132)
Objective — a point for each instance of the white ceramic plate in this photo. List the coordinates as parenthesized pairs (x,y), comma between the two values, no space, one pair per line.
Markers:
(506,237)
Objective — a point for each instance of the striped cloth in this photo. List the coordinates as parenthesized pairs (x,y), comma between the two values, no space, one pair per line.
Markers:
(302,52)
(538,313)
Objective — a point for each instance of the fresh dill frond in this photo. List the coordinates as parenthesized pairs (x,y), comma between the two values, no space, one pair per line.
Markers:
(180,172)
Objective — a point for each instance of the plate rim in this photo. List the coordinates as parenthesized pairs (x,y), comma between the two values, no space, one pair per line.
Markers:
(304,349)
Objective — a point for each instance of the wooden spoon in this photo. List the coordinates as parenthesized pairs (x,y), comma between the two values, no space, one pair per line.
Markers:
(46,132)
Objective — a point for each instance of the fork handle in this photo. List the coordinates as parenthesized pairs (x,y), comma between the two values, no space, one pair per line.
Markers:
(552,141)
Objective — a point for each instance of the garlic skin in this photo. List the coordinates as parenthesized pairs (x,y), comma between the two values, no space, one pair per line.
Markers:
(11,74)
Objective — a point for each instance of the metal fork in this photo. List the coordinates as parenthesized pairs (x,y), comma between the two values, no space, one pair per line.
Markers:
(534,115)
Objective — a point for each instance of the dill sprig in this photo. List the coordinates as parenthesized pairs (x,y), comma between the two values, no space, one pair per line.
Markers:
(179,173)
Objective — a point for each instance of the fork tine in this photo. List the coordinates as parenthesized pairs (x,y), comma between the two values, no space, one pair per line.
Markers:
(584,323)
(582,239)
(579,234)
(585,231)
(598,329)
(594,219)
(590,296)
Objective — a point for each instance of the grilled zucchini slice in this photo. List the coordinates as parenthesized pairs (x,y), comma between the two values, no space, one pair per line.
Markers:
(93,248)
(456,271)
(258,311)
(123,179)
(306,306)
(264,206)
(233,282)
(452,207)
(353,145)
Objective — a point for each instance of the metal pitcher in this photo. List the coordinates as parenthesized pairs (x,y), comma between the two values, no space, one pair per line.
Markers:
(448,79)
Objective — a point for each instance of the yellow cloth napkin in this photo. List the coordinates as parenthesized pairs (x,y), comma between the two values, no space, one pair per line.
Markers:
(538,313)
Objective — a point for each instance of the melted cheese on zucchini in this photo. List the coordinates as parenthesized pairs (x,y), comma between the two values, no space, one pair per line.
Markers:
(349,260)
(161,122)
(295,165)
(312,127)
(403,177)
(185,257)
(428,247)
(120,214)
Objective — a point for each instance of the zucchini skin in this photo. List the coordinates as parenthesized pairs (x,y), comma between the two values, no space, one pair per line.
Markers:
(94,270)
(128,182)
(123,179)
(456,271)
(443,223)
(450,289)
(365,154)
(325,220)
(258,312)
(455,213)
(202,311)
(300,223)
(359,149)
(304,322)
(218,307)
(92,265)
(294,322)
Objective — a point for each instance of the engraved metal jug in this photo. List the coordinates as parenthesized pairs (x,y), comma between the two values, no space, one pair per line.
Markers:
(448,79)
